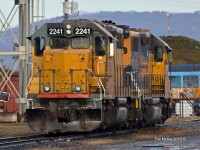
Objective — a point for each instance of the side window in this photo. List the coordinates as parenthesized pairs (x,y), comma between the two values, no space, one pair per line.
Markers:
(158,54)
(175,81)
(190,81)
(39,46)
(100,46)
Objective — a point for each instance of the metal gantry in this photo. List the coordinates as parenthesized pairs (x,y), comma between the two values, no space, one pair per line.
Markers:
(37,12)
(20,49)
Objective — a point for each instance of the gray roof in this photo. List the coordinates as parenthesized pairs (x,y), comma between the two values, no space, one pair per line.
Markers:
(185,67)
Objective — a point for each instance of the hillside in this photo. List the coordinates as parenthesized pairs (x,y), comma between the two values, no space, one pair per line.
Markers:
(185,50)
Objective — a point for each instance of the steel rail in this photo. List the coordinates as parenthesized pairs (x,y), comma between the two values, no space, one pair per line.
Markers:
(5,142)
(19,141)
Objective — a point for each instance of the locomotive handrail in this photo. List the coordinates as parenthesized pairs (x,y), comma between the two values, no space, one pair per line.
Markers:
(40,77)
(32,76)
(104,94)
(71,74)
(153,84)
(136,84)
(31,79)
(99,85)
(98,66)
(99,82)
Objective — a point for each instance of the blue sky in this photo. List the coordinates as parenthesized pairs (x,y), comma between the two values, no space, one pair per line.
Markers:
(54,7)
(134,5)
(140,5)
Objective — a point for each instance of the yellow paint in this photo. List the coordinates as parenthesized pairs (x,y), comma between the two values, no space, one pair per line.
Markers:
(37,62)
(127,56)
(136,104)
(56,66)
(99,65)
(48,57)
(62,62)
(33,87)
(160,69)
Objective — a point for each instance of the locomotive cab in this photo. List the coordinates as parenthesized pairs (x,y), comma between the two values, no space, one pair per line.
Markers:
(69,69)
(69,52)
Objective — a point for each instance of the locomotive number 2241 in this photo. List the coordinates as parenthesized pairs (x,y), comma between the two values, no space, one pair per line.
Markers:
(55,31)
(82,31)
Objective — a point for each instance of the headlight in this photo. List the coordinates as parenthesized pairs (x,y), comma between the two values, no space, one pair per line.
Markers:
(46,88)
(68,31)
(77,88)
(68,26)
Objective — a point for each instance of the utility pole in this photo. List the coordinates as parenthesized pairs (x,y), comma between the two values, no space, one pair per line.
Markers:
(169,23)
(24,26)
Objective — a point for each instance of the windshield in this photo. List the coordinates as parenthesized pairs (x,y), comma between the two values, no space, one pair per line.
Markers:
(80,42)
(59,42)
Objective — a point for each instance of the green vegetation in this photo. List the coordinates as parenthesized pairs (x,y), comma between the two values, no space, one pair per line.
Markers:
(185,50)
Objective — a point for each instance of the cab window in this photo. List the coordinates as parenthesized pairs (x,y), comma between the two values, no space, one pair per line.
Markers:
(158,54)
(59,42)
(100,46)
(39,46)
(80,43)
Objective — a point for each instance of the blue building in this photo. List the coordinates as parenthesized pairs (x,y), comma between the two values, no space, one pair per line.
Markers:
(185,76)
(185,84)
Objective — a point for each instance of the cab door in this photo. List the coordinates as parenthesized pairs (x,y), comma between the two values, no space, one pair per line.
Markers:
(98,63)
(158,71)
(99,55)
(158,63)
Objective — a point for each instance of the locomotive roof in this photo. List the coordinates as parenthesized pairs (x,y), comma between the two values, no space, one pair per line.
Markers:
(165,44)
(80,22)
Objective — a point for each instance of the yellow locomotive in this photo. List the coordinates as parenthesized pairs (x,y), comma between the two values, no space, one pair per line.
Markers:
(89,74)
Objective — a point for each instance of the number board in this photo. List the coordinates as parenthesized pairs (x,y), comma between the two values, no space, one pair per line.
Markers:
(82,31)
(55,31)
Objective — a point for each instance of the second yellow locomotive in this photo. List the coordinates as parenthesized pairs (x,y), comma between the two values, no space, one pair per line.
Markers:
(89,74)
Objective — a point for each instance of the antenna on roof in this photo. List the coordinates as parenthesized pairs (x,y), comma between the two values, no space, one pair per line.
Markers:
(67,8)
(169,23)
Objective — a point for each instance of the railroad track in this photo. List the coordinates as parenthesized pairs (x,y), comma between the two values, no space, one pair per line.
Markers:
(8,143)
(183,122)
(14,141)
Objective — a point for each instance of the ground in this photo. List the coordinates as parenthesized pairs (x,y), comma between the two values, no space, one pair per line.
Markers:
(179,132)
(15,129)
